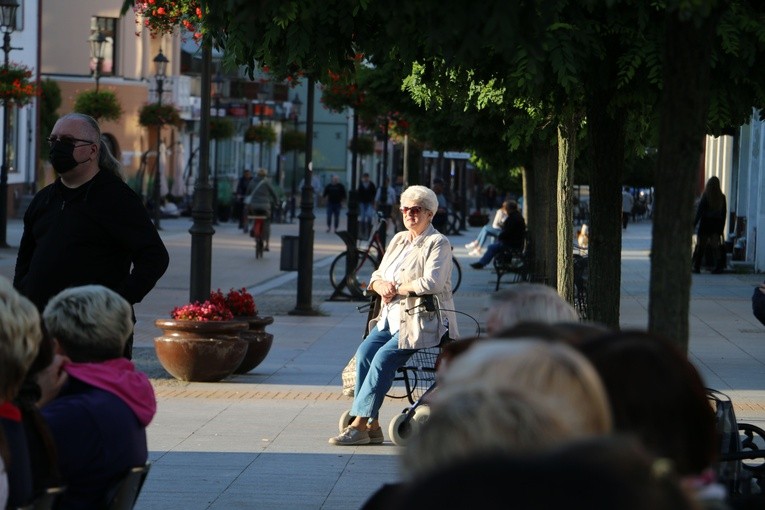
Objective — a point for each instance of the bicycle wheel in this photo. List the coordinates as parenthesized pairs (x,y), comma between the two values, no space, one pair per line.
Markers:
(358,282)
(456,274)
(259,248)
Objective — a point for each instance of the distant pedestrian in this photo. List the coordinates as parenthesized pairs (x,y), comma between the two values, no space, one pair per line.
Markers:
(710,218)
(441,219)
(240,212)
(627,203)
(261,199)
(88,227)
(385,200)
(335,194)
(366,196)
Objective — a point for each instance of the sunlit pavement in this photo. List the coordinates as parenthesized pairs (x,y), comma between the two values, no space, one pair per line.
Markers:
(260,440)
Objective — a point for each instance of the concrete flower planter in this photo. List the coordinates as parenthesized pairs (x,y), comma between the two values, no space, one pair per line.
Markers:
(258,342)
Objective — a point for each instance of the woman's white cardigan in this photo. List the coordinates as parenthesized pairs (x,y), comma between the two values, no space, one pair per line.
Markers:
(428,267)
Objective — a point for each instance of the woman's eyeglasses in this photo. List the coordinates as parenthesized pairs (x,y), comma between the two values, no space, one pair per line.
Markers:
(69,140)
(416,209)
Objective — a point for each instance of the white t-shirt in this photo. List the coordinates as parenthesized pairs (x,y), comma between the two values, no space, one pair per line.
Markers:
(392,311)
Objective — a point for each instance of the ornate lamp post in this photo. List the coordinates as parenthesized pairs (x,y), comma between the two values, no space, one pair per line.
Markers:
(202,229)
(97,46)
(7,25)
(218,80)
(160,61)
(295,114)
(305,232)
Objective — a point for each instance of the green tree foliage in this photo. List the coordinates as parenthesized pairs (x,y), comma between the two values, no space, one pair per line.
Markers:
(101,105)
(50,101)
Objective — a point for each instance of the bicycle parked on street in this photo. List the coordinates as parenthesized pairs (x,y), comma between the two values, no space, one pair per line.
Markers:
(367,261)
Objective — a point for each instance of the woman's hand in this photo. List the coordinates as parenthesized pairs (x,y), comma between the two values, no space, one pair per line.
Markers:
(387,290)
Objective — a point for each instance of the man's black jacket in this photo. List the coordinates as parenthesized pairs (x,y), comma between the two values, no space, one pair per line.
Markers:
(98,233)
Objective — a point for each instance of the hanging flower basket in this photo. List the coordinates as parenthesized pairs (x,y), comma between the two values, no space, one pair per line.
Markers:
(99,105)
(220,129)
(154,114)
(261,133)
(16,85)
(293,141)
(164,17)
(364,146)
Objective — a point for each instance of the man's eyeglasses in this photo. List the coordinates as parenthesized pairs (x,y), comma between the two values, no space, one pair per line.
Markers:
(416,209)
(69,140)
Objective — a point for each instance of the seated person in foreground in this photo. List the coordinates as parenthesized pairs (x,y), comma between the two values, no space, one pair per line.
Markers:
(20,336)
(99,417)
(511,236)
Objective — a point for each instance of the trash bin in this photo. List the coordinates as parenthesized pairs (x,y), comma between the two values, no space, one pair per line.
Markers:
(289,256)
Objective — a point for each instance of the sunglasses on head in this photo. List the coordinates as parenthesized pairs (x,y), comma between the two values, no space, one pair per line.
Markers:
(416,209)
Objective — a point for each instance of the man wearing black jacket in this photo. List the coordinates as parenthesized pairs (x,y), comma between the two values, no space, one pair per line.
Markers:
(88,227)
(511,236)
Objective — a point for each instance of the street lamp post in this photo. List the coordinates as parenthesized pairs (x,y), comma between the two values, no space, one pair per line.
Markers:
(295,113)
(306,237)
(218,86)
(7,25)
(202,229)
(160,62)
(97,46)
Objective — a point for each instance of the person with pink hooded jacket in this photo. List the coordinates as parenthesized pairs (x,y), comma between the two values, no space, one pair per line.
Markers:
(99,415)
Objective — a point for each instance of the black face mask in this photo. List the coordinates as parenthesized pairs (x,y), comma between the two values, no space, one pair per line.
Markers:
(61,156)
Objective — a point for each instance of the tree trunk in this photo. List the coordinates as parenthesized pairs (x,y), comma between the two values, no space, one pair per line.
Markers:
(541,217)
(606,130)
(684,106)
(567,130)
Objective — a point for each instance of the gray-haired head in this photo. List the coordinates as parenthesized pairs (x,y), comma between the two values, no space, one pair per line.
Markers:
(420,195)
(91,323)
(527,302)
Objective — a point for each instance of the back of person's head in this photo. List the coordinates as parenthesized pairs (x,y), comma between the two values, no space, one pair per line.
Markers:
(527,302)
(20,336)
(422,196)
(604,473)
(549,370)
(475,419)
(91,323)
(658,395)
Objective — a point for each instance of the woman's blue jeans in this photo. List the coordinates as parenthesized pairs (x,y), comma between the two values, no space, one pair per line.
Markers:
(377,359)
(484,234)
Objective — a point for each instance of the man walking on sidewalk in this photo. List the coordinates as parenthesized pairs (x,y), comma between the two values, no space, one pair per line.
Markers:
(335,195)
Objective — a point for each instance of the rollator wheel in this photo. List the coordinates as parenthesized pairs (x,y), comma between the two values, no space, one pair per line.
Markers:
(421,415)
(400,431)
(345,419)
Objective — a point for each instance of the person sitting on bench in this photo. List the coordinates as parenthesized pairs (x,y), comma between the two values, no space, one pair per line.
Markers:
(510,237)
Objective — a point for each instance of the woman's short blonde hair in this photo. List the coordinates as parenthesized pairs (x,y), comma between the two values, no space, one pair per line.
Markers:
(475,419)
(20,336)
(422,196)
(552,371)
(91,323)
(527,302)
